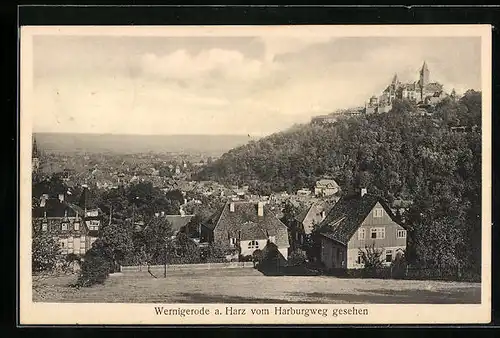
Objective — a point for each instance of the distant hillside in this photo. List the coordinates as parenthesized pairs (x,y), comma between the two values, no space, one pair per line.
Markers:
(99,143)
(393,153)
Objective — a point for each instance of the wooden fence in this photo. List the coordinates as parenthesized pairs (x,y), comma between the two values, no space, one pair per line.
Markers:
(187,267)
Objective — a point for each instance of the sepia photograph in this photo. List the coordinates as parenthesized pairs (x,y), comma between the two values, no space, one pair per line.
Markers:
(307,174)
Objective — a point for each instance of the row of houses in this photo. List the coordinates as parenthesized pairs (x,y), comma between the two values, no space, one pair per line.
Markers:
(350,224)
(344,227)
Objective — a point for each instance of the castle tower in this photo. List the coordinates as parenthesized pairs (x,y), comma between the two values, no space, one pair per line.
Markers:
(424,75)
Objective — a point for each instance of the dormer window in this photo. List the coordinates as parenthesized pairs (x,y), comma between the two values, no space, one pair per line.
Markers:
(64,226)
(76,225)
(44,226)
(232,241)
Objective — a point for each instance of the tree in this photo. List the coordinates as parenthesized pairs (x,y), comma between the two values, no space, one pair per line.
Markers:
(193,227)
(183,250)
(403,106)
(154,241)
(175,195)
(119,240)
(290,211)
(45,251)
(53,186)
(97,265)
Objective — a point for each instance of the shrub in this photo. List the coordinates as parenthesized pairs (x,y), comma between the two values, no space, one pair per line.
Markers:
(297,258)
(96,266)
(95,269)
(214,253)
(371,260)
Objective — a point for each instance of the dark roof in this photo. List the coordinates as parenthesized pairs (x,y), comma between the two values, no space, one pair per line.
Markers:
(348,214)
(245,222)
(55,208)
(211,222)
(178,222)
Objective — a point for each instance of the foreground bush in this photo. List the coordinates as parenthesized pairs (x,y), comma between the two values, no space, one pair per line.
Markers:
(96,266)
(95,270)
(297,258)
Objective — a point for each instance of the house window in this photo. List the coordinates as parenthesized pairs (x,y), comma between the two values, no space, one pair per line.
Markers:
(94,225)
(64,226)
(272,239)
(253,245)
(232,241)
(77,226)
(62,244)
(82,244)
(388,256)
(361,234)
(401,234)
(378,212)
(70,244)
(377,233)
(44,226)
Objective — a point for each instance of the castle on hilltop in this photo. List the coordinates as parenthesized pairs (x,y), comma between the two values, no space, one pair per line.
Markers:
(422,92)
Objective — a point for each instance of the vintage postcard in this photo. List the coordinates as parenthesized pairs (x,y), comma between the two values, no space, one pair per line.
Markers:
(255,175)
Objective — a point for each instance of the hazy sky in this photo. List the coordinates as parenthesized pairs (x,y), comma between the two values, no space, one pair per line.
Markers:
(226,85)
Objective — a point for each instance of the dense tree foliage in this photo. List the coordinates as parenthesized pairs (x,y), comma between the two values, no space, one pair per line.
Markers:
(394,155)
(44,251)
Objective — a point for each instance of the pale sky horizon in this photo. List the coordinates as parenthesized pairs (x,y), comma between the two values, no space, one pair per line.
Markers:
(227,85)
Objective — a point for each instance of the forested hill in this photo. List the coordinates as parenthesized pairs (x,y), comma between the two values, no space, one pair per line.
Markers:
(394,154)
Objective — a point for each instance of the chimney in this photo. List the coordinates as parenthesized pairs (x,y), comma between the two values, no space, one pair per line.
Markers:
(260,209)
(181,211)
(363,192)
(163,213)
(61,198)
(231,207)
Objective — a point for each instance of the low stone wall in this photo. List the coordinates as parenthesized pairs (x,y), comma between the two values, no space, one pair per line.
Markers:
(187,267)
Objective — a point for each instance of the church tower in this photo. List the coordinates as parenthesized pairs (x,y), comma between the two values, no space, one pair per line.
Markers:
(424,75)
(395,80)
(35,156)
